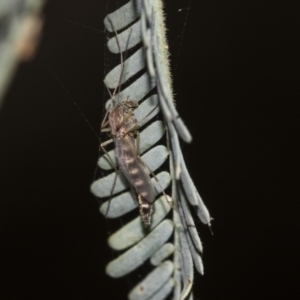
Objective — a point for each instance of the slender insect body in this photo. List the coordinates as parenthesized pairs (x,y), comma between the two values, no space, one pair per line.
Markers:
(132,169)
(123,127)
(136,176)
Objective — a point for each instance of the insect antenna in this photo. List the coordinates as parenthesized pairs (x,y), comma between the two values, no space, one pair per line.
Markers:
(123,59)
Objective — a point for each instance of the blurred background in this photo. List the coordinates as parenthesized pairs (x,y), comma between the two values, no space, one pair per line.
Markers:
(235,67)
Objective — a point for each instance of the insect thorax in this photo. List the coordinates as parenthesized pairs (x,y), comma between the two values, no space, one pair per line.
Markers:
(122,119)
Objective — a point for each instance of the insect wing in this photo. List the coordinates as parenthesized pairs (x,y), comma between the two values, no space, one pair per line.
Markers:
(132,170)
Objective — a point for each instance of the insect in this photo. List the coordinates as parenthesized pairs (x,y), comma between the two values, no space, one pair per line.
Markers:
(121,122)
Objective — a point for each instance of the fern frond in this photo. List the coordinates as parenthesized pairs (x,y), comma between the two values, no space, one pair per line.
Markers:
(144,22)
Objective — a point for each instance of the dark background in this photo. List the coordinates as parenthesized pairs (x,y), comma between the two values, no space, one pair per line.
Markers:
(236,79)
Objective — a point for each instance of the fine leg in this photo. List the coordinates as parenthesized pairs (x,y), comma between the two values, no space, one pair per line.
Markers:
(107,154)
(113,165)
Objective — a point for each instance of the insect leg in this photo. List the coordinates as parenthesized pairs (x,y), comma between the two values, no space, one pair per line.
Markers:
(113,165)
(105,121)
(107,154)
(104,144)
(108,129)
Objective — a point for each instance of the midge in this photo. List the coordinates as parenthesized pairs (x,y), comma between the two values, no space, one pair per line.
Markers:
(122,124)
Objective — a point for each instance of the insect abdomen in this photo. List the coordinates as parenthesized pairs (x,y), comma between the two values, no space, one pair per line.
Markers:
(132,170)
